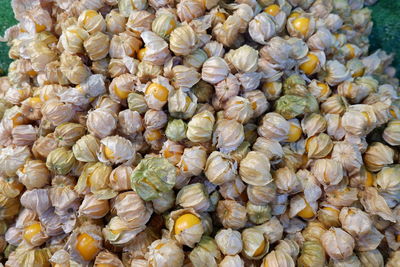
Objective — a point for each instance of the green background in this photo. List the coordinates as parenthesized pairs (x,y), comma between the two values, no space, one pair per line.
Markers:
(386,31)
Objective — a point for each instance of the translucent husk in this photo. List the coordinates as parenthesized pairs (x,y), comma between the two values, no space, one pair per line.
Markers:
(312,254)
(255,169)
(60,161)
(220,168)
(150,172)
(34,174)
(228,135)
(229,241)
(93,207)
(94,178)
(206,253)
(189,236)
(136,214)
(254,239)
(165,252)
(337,243)
(231,214)
(193,161)
(193,196)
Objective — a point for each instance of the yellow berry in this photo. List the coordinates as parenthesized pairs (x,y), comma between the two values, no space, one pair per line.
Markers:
(260,249)
(393,113)
(294,15)
(170,154)
(294,133)
(31,230)
(141,53)
(185,221)
(220,16)
(171,26)
(369,179)
(184,166)
(346,28)
(105,265)
(120,93)
(159,246)
(89,14)
(273,10)
(366,115)
(18,119)
(352,52)
(108,153)
(32,73)
(307,212)
(308,143)
(301,24)
(269,87)
(336,211)
(358,73)
(87,246)
(153,135)
(324,88)
(310,65)
(254,105)
(158,91)
(39,27)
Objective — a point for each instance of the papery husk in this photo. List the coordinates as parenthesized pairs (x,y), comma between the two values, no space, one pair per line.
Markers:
(119,232)
(371,258)
(229,241)
(253,239)
(86,148)
(34,174)
(206,253)
(278,258)
(261,195)
(115,150)
(231,214)
(312,254)
(93,207)
(228,135)
(37,200)
(150,172)
(215,69)
(189,236)
(375,204)
(60,161)
(193,161)
(328,171)
(136,215)
(254,169)
(337,243)
(289,246)
(274,126)
(232,261)
(355,221)
(183,40)
(220,168)
(169,254)
(94,178)
(369,241)
(193,196)
(12,158)
(286,181)
(101,122)
(106,257)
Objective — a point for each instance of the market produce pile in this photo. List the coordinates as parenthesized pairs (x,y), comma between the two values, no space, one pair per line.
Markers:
(198,133)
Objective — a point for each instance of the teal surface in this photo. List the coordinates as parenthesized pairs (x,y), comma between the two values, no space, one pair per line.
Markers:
(385,34)
(6,20)
(386,31)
